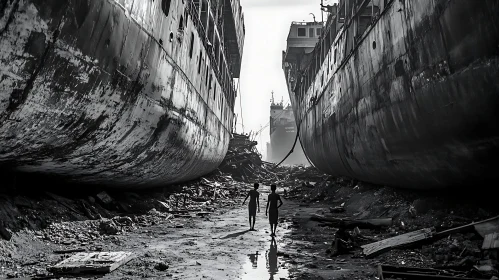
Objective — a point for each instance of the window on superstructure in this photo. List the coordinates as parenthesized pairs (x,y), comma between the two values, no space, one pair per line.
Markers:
(311,32)
(207,72)
(302,32)
(200,59)
(217,50)
(186,16)
(165,6)
(209,83)
(191,48)
(318,32)
(181,24)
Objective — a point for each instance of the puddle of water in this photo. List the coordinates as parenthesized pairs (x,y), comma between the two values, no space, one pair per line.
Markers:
(264,265)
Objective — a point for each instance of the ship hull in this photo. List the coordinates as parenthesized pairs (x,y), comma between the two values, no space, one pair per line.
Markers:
(98,92)
(416,104)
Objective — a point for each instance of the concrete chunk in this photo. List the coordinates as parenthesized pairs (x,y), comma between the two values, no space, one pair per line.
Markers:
(95,262)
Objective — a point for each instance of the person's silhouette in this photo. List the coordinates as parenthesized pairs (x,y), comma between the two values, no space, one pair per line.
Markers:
(271,209)
(253,203)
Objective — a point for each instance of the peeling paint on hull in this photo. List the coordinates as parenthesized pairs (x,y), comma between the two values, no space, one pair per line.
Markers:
(95,91)
(416,104)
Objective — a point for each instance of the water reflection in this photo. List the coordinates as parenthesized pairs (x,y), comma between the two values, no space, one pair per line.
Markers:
(254,259)
(266,267)
(272,265)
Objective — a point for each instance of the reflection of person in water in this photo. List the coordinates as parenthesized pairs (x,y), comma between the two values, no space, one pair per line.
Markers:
(272,259)
(254,259)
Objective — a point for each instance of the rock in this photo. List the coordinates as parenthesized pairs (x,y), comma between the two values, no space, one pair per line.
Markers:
(104,197)
(161,266)
(91,199)
(108,226)
(412,211)
(154,212)
(12,275)
(162,206)
(4,233)
(127,221)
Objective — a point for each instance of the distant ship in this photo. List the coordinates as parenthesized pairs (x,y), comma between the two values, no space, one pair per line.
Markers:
(282,136)
(399,93)
(130,94)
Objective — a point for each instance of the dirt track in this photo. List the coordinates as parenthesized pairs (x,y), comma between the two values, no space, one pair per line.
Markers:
(218,246)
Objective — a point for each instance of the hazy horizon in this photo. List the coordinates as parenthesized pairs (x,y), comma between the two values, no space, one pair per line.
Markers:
(267,26)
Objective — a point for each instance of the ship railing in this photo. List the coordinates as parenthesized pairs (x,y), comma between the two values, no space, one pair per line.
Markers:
(354,14)
(304,23)
(192,10)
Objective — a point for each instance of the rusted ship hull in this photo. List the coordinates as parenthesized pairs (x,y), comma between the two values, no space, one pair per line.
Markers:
(107,92)
(414,104)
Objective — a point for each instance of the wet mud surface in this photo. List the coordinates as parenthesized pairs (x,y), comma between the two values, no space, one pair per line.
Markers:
(214,246)
(218,244)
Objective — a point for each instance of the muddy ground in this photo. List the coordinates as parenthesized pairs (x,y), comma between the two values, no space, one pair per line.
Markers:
(210,240)
(212,246)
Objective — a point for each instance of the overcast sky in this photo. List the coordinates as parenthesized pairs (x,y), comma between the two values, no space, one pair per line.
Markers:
(267,27)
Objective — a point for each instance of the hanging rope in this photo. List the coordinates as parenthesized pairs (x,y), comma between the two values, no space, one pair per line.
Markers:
(292,148)
(305,154)
(240,102)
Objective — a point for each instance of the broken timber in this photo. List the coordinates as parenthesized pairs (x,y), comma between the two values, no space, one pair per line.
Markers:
(96,262)
(367,223)
(484,228)
(491,241)
(403,273)
(410,238)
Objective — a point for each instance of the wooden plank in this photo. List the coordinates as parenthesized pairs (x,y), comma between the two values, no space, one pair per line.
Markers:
(376,248)
(350,223)
(95,262)
(418,276)
(415,273)
(491,241)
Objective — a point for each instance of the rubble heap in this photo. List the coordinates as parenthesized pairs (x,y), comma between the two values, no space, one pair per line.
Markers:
(244,162)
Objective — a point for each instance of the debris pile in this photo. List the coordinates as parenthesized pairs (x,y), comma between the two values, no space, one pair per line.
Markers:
(402,229)
(243,161)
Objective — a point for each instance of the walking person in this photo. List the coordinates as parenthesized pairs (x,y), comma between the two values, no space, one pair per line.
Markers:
(254,202)
(271,209)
